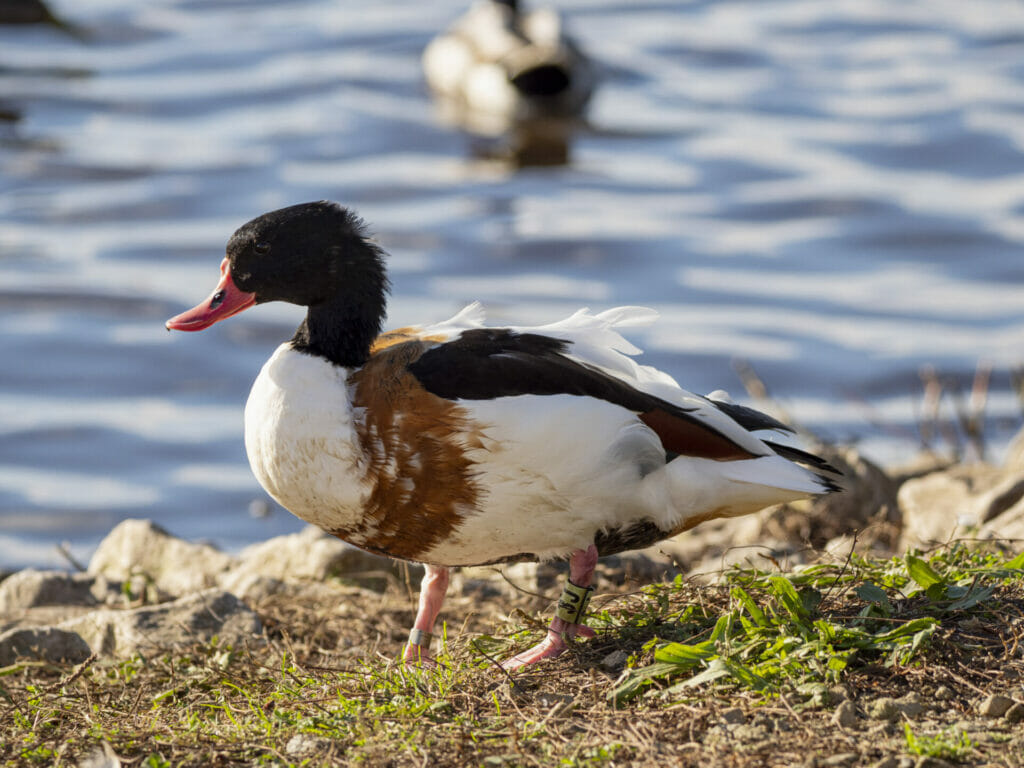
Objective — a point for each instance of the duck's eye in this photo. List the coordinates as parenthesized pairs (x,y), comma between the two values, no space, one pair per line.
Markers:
(262,247)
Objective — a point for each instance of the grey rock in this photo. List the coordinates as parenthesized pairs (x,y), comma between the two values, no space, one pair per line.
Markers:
(32,588)
(838,693)
(548,699)
(252,587)
(733,716)
(817,694)
(184,622)
(1008,524)
(941,505)
(517,578)
(42,644)
(845,715)
(175,566)
(868,498)
(1005,496)
(302,745)
(883,708)
(311,554)
(910,705)
(1015,714)
(615,660)
(887,762)
(944,693)
(995,705)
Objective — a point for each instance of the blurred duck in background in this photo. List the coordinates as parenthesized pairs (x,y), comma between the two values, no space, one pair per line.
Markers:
(26,12)
(513,75)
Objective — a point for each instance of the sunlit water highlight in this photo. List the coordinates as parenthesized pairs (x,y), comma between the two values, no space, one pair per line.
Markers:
(831,191)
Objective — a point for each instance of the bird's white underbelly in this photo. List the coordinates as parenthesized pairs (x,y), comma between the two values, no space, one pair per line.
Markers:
(301,441)
(552,471)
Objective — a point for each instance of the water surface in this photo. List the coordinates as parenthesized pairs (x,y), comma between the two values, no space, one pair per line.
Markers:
(833,192)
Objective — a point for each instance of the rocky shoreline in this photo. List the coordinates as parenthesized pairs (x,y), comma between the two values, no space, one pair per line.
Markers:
(146,590)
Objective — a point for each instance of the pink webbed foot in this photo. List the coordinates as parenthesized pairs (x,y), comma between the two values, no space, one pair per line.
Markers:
(572,606)
(551,647)
(418,654)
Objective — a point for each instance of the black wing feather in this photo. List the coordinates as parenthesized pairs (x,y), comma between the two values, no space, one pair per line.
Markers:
(487,363)
(750,418)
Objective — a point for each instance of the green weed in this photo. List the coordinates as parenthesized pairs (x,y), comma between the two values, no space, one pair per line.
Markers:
(775,633)
(948,745)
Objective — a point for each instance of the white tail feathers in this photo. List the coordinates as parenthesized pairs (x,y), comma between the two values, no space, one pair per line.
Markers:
(704,489)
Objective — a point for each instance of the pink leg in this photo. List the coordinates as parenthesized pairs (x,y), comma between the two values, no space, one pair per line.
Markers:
(581,573)
(432,591)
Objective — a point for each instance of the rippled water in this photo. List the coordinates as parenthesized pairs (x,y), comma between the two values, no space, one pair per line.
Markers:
(831,191)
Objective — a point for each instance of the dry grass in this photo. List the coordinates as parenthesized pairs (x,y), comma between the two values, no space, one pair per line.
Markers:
(325,690)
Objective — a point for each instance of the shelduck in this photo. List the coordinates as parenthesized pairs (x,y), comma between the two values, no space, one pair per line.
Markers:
(499,65)
(459,444)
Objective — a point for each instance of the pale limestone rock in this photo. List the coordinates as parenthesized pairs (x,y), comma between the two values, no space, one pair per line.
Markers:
(943,505)
(995,705)
(188,620)
(309,554)
(511,578)
(883,708)
(42,644)
(910,704)
(32,588)
(845,715)
(254,588)
(302,745)
(975,499)
(176,566)
(251,587)
(1009,524)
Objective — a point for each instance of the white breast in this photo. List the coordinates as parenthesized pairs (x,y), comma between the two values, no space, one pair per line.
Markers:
(300,438)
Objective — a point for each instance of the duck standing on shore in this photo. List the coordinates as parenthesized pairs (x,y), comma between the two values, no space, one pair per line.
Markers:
(458,444)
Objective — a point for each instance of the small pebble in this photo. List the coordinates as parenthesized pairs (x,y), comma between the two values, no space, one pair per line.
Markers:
(552,700)
(883,709)
(944,693)
(1015,714)
(304,745)
(615,661)
(995,705)
(845,715)
(838,693)
(734,716)
(844,758)
(910,705)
